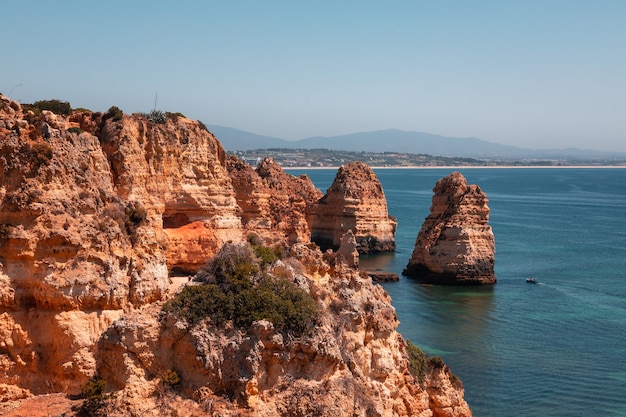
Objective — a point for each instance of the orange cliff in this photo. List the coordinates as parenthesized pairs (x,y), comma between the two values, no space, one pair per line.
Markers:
(98,211)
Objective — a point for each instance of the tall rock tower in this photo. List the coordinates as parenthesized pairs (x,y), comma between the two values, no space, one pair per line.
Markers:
(456,244)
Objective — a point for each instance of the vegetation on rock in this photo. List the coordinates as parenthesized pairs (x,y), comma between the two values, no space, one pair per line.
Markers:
(94,399)
(55,106)
(420,364)
(235,286)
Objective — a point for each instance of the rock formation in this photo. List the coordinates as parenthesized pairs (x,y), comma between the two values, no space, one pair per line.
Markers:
(353,363)
(98,212)
(94,211)
(273,203)
(355,201)
(456,244)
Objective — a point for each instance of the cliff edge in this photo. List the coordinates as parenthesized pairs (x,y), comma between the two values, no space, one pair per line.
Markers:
(104,215)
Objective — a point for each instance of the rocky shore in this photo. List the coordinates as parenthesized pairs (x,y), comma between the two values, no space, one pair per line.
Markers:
(106,218)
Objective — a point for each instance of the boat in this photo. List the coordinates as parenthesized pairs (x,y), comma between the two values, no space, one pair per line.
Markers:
(532,281)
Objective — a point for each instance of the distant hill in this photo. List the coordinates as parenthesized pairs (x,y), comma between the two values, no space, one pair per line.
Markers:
(394,140)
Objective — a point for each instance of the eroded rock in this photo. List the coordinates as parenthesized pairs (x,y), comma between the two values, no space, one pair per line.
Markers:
(456,244)
(355,201)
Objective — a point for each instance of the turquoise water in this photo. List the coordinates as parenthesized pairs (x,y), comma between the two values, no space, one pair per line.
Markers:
(555,349)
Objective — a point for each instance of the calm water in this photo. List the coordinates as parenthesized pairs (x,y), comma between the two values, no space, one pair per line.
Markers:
(553,349)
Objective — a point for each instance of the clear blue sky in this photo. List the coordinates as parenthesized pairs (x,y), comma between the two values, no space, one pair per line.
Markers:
(531,73)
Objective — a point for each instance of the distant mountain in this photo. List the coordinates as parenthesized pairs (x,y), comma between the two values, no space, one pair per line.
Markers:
(394,140)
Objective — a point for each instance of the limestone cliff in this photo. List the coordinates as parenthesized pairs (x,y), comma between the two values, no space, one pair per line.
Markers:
(353,362)
(94,211)
(456,244)
(274,204)
(355,201)
(99,212)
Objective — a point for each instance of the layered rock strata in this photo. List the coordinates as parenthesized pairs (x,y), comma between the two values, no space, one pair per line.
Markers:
(99,211)
(274,204)
(95,210)
(455,244)
(353,363)
(355,201)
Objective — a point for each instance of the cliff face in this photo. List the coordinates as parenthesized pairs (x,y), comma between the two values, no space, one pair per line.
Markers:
(99,212)
(93,213)
(274,204)
(456,244)
(355,201)
(353,363)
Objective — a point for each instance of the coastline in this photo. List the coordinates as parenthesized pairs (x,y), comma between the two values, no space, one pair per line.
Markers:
(474,167)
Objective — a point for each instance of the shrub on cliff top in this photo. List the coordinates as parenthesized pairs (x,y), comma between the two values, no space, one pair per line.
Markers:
(156,116)
(114,113)
(55,106)
(234,288)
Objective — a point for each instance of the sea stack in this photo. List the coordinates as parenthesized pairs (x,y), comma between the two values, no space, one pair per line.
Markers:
(456,245)
(355,201)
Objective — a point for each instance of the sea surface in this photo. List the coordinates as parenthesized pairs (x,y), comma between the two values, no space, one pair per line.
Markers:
(553,349)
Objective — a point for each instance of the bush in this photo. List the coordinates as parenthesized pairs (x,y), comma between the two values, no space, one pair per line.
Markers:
(55,106)
(114,113)
(420,363)
(266,256)
(156,116)
(234,290)
(94,398)
(76,130)
(233,269)
(417,360)
(436,362)
(289,308)
(136,212)
(196,302)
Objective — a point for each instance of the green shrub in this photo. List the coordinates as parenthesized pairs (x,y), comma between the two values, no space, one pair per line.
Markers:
(196,302)
(94,398)
(266,256)
(55,106)
(436,362)
(233,289)
(76,130)
(417,360)
(114,113)
(289,308)
(233,269)
(420,363)
(156,116)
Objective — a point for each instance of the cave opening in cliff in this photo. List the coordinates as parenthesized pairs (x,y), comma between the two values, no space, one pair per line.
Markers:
(175,220)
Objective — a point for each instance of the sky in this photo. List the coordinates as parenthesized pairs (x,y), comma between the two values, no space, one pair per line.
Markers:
(529,73)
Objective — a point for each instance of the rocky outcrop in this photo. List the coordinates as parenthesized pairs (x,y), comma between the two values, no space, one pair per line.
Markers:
(352,363)
(273,203)
(355,201)
(95,210)
(456,244)
(99,212)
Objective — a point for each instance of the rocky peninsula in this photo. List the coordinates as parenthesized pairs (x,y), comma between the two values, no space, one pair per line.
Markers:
(113,230)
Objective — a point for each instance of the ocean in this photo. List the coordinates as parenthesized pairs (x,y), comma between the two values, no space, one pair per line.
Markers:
(553,349)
